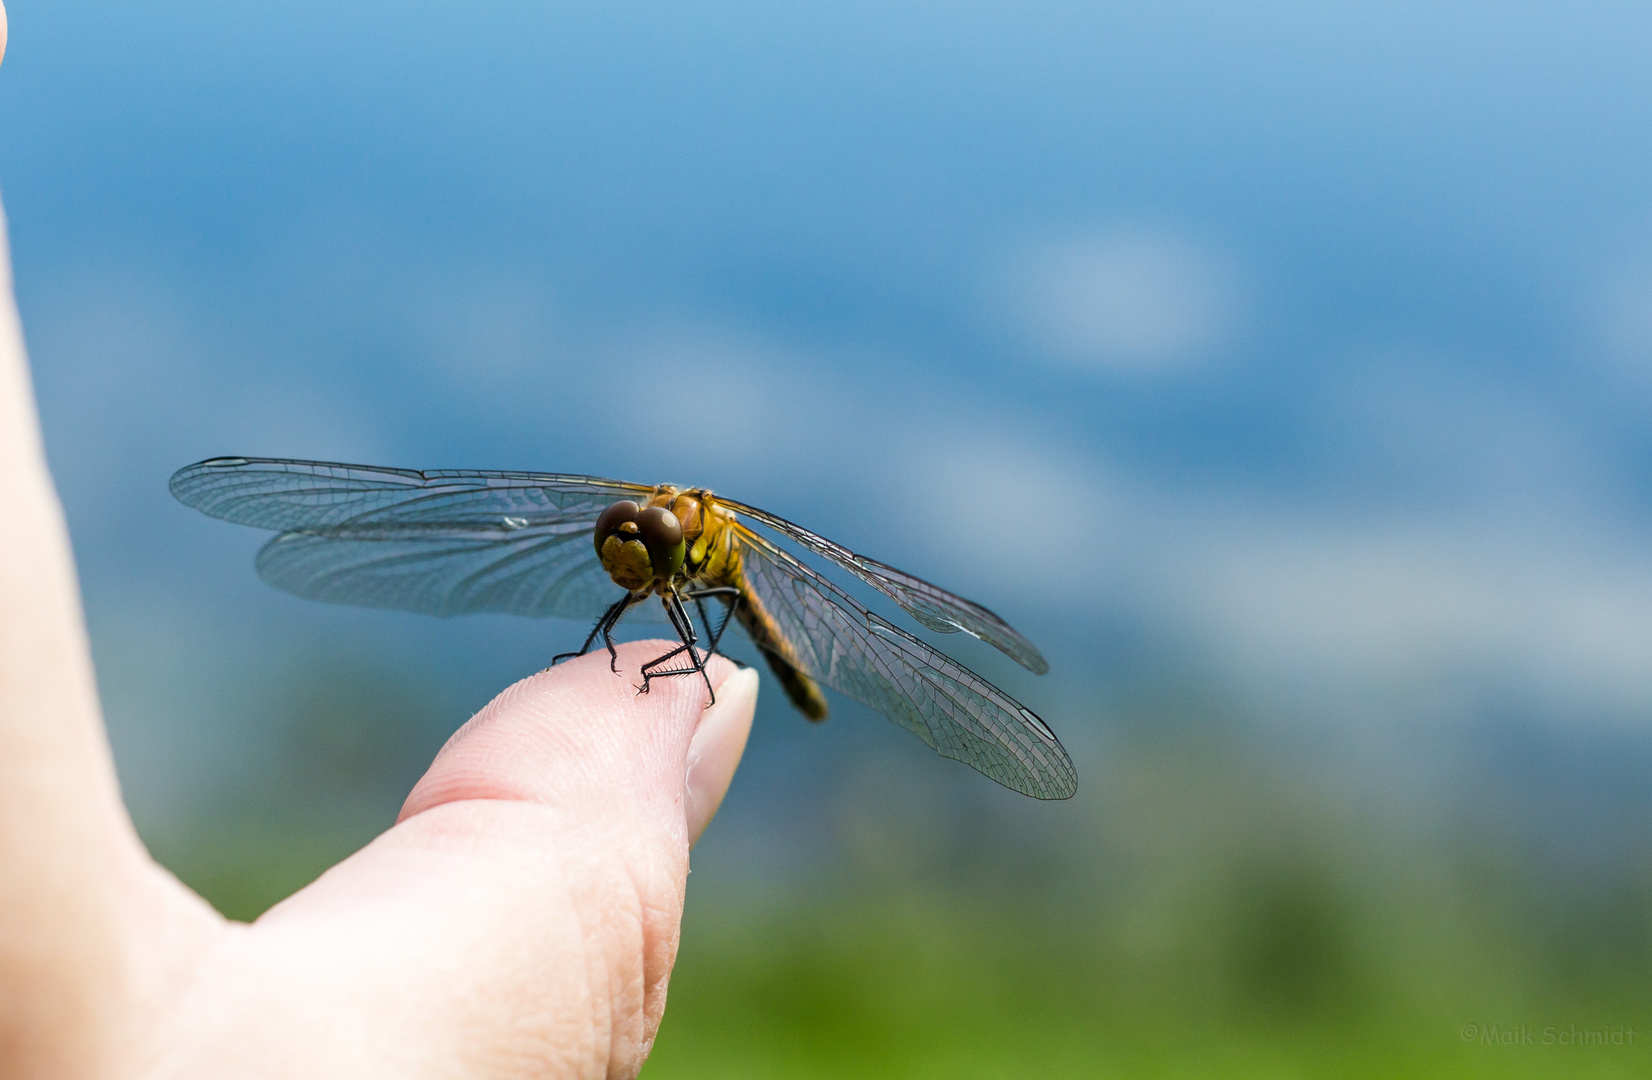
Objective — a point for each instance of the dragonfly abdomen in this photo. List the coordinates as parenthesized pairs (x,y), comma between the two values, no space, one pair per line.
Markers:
(760,626)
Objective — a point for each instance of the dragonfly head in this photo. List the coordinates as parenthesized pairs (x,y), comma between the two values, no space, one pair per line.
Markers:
(638,546)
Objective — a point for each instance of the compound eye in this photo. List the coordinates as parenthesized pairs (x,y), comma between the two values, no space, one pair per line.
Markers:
(611,519)
(662,535)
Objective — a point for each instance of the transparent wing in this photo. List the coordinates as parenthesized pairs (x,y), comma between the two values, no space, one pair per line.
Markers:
(274,493)
(438,542)
(531,572)
(931,605)
(951,708)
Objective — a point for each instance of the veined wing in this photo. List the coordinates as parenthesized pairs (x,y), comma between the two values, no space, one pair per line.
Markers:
(441,542)
(951,708)
(535,571)
(931,605)
(275,493)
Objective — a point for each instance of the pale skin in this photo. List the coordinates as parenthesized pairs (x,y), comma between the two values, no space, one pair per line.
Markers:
(520,919)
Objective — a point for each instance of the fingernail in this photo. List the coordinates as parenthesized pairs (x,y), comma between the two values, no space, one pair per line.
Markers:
(715,750)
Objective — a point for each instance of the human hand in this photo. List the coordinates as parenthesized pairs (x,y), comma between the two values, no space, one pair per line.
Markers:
(520,919)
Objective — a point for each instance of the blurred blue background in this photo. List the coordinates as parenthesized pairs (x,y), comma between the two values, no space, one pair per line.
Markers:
(1317,340)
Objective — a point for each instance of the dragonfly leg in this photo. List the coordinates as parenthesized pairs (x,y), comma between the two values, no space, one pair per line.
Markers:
(604,626)
(730,596)
(607,628)
(684,625)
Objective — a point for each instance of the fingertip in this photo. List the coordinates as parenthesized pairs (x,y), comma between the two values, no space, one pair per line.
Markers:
(578,736)
(716,749)
(2,32)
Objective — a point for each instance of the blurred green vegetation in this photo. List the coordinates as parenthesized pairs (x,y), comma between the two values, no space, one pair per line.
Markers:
(1208,907)
(1267,968)
(1223,922)
(926,986)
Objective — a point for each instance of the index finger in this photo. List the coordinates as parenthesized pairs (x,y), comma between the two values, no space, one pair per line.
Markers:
(526,906)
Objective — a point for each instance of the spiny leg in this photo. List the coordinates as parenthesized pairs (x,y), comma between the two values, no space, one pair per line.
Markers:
(589,638)
(684,625)
(604,626)
(730,597)
(608,631)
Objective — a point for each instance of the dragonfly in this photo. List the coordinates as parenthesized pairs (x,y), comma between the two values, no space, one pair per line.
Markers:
(448,542)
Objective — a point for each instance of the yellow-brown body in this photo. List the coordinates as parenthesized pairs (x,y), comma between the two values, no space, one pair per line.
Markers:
(711,534)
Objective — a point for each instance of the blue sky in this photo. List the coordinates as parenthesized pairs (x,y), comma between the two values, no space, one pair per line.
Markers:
(1321,337)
